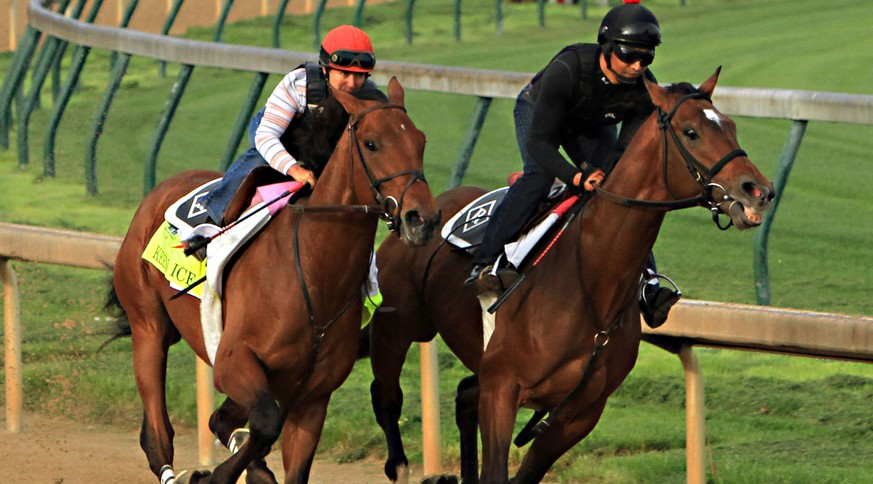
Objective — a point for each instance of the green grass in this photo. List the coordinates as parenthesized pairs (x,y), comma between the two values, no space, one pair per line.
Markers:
(770,418)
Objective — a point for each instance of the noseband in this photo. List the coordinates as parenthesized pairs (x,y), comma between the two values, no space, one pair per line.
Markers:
(389,204)
(702,174)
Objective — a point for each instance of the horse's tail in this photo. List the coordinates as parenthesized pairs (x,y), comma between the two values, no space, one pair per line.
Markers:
(112,306)
(364,343)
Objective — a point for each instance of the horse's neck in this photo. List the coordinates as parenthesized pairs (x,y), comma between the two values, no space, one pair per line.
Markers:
(616,239)
(338,184)
(349,234)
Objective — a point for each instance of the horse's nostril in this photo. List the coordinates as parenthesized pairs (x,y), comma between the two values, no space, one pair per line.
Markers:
(413,219)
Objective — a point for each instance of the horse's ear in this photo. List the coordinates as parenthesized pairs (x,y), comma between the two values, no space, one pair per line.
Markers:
(395,91)
(350,103)
(709,85)
(658,95)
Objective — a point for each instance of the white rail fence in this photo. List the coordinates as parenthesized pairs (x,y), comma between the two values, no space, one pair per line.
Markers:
(692,323)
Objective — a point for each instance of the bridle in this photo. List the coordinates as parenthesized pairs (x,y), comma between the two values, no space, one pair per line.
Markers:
(702,174)
(384,211)
(389,204)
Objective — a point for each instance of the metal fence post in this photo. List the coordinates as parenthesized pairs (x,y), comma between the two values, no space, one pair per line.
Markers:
(479,113)
(786,161)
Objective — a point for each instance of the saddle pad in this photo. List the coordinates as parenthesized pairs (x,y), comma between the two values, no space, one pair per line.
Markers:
(466,228)
(188,212)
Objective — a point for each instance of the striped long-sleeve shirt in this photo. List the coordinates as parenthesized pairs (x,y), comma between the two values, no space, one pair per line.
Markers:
(288,101)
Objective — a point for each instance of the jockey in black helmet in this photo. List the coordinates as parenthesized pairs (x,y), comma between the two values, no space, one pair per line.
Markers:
(575,103)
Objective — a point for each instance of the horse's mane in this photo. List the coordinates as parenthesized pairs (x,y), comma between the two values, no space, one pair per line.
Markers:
(682,88)
(317,136)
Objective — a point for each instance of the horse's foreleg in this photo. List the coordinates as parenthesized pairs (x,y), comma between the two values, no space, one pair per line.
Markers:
(467,420)
(547,448)
(240,375)
(387,359)
(227,419)
(150,368)
(497,411)
(300,436)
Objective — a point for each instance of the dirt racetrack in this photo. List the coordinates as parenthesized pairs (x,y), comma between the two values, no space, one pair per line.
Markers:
(55,451)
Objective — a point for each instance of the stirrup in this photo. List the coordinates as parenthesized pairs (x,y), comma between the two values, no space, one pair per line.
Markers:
(656,307)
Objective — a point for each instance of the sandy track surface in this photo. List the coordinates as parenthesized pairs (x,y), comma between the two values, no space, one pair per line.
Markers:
(55,451)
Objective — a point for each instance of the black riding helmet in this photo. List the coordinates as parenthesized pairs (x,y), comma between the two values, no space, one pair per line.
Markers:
(630,25)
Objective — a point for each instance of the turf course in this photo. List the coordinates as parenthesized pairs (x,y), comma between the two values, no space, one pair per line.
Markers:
(770,418)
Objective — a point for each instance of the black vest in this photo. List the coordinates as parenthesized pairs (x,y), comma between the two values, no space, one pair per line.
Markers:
(597,102)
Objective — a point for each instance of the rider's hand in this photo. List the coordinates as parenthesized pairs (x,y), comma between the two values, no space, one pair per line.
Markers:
(302,175)
(596,177)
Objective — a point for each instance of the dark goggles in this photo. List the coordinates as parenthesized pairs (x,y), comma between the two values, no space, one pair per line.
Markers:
(630,55)
(346,58)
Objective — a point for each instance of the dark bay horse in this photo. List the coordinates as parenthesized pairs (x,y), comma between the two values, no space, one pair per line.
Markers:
(292,298)
(569,335)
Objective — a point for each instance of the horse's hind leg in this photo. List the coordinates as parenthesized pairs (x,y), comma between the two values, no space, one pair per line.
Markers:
(467,420)
(150,344)
(227,419)
(547,448)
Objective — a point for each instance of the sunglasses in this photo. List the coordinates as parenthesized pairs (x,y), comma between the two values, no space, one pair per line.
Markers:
(345,58)
(630,55)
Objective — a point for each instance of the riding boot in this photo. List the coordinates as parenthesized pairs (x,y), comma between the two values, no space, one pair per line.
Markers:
(495,277)
(656,303)
(196,246)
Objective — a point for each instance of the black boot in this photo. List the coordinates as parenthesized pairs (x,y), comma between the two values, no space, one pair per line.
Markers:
(656,303)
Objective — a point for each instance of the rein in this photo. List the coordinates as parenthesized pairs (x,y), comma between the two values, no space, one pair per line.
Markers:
(702,174)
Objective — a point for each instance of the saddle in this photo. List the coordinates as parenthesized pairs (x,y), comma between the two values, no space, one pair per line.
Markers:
(466,229)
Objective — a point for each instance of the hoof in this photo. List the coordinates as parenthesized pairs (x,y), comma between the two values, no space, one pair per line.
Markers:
(397,473)
(192,477)
(440,479)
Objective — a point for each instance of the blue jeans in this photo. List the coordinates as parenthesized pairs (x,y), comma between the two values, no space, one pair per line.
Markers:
(217,200)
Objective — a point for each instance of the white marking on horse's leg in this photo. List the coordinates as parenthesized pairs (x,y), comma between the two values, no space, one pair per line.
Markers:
(168,475)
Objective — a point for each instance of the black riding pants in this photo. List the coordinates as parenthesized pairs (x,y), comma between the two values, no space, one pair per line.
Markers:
(525,195)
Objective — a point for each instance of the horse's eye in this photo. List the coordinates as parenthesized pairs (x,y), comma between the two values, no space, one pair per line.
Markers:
(690,134)
(370,145)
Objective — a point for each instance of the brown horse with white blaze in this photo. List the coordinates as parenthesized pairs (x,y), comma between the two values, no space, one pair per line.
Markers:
(291,299)
(568,336)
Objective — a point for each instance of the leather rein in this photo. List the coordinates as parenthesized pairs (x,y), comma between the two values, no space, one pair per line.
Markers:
(702,174)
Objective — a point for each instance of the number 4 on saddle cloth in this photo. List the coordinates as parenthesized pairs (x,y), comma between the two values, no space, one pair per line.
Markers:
(187,217)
